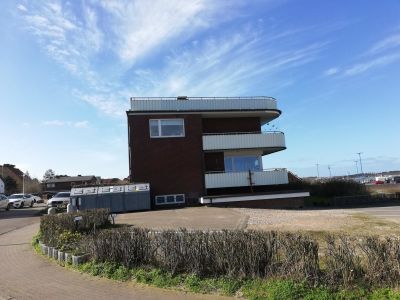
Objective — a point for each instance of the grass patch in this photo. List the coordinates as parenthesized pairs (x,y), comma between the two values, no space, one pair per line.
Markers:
(253,289)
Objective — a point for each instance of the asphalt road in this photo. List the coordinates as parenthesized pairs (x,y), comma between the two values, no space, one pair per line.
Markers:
(18,218)
(27,275)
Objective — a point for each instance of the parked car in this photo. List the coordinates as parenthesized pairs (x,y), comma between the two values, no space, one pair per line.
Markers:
(21,200)
(4,202)
(61,198)
(37,198)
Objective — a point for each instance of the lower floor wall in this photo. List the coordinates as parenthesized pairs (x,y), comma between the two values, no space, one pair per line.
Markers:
(269,203)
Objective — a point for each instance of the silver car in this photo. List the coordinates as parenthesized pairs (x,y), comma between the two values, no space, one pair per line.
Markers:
(21,200)
(59,199)
(4,202)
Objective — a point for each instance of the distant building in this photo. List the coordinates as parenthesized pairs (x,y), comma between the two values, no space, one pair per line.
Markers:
(1,186)
(65,183)
(208,150)
(9,170)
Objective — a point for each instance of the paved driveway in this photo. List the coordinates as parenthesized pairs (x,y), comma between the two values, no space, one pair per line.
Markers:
(26,275)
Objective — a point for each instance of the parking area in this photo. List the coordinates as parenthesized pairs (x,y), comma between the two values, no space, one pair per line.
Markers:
(369,220)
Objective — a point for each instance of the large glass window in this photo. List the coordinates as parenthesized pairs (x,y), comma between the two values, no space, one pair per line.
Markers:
(242,163)
(167,128)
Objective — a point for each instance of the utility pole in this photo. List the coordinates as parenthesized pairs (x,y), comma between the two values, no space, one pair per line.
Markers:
(23,183)
(329,168)
(359,155)
(356,161)
(317,170)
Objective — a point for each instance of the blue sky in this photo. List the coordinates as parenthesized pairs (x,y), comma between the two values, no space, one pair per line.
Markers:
(68,69)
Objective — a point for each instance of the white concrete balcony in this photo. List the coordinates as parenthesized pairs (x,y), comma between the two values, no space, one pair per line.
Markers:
(237,179)
(269,142)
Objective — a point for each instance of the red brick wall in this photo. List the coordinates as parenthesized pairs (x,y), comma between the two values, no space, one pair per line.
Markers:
(214,161)
(170,165)
(221,125)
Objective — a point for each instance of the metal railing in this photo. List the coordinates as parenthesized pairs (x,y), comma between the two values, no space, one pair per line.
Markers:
(263,170)
(184,98)
(249,132)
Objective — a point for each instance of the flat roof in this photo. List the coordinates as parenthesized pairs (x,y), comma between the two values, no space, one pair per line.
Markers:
(202,104)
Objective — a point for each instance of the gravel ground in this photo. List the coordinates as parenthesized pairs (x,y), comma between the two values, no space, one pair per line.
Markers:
(349,220)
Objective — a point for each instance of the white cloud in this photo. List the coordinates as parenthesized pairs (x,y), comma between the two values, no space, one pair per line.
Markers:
(21,7)
(390,42)
(370,64)
(141,26)
(228,63)
(331,71)
(58,123)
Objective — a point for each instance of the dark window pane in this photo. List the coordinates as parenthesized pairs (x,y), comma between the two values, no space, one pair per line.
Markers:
(170,199)
(180,198)
(154,128)
(160,199)
(173,127)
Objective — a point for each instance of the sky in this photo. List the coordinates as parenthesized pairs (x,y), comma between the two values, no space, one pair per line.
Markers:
(68,69)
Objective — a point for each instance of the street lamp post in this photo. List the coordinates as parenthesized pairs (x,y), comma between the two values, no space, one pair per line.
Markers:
(317,170)
(23,183)
(359,155)
(356,161)
(329,168)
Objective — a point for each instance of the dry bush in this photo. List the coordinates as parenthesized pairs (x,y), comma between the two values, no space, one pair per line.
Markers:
(51,226)
(382,260)
(343,264)
(226,253)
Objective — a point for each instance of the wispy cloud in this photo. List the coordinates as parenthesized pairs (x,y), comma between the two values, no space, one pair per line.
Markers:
(331,71)
(58,123)
(389,42)
(370,64)
(228,62)
(382,53)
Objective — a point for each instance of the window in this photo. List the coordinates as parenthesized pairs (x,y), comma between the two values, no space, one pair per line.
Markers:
(242,163)
(170,199)
(51,185)
(167,128)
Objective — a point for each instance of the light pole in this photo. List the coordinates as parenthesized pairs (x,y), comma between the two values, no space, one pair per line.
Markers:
(23,183)
(317,170)
(329,168)
(356,161)
(359,155)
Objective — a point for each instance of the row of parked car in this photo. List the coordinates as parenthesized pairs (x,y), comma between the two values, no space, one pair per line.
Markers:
(21,200)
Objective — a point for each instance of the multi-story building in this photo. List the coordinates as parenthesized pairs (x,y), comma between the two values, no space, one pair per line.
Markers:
(207,150)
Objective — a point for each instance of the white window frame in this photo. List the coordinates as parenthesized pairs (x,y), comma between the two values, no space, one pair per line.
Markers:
(165,199)
(160,132)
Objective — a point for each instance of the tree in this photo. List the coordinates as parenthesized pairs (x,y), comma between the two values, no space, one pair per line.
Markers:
(10,185)
(49,174)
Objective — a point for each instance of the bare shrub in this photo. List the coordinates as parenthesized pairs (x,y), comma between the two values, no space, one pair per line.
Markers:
(299,259)
(343,264)
(382,260)
(51,226)
(227,253)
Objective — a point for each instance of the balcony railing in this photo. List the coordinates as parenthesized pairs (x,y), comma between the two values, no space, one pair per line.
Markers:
(139,104)
(238,179)
(271,141)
